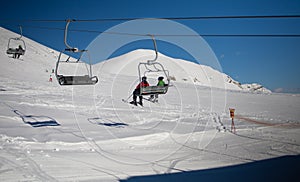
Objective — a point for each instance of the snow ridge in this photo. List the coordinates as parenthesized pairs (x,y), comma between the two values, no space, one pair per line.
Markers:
(40,61)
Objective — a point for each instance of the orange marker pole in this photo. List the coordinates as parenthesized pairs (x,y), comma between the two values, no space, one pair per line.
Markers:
(231,110)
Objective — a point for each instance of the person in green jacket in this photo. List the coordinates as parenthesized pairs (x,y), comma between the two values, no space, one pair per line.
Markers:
(160,83)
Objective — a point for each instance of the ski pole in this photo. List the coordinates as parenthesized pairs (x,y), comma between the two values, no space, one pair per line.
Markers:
(129,97)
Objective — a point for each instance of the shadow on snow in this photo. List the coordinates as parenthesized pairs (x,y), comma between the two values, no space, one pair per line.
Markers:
(106,122)
(277,169)
(37,121)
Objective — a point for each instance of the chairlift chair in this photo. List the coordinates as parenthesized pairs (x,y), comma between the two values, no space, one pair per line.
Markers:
(152,66)
(16,41)
(86,79)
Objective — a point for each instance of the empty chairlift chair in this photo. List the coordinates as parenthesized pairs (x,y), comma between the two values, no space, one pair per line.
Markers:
(86,79)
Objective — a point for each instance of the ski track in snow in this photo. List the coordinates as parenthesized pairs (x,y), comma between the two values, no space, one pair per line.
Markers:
(23,164)
(185,147)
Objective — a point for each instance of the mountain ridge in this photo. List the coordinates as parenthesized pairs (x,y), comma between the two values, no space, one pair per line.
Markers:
(40,60)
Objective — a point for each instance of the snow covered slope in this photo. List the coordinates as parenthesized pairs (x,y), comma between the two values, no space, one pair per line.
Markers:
(180,71)
(87,133)
(36,65)
(42,61)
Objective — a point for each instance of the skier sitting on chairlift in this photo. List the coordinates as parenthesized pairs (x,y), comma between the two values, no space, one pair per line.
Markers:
(18,52)
(137,91)
(160,83)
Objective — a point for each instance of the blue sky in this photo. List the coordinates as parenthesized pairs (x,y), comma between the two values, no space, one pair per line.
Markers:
(271,61)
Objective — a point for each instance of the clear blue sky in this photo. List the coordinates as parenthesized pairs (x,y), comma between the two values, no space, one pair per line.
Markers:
(271,61)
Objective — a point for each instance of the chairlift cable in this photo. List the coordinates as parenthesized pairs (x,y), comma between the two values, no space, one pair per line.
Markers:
(165,18)
(166,35)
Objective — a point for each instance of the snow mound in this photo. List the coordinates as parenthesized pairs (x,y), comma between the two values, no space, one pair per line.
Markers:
(180,71)
(253,88)
(39,61)
(256,88)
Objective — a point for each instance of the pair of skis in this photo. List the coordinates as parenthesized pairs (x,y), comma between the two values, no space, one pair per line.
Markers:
(138,104)
(131,103)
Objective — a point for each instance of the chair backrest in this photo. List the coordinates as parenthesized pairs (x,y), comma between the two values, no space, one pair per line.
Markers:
(154,90)
(77,80)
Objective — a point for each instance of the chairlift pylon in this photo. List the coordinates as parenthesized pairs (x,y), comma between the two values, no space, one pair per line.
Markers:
(87,79)
(152,66)
(17,41)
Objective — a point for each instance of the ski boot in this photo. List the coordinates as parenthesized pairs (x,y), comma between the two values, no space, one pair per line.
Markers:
(141,103)
(133,102)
